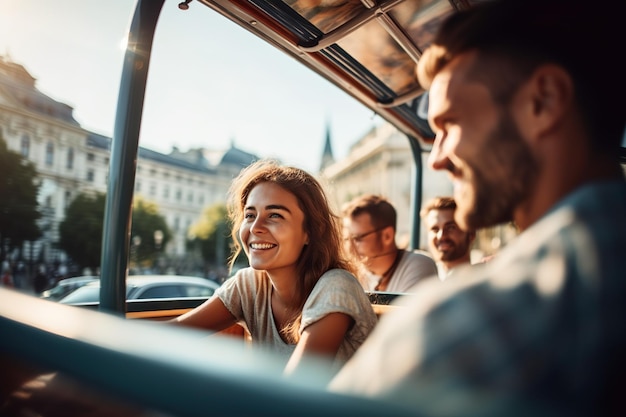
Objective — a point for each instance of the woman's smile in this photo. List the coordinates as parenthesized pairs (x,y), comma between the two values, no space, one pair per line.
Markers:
(262,246)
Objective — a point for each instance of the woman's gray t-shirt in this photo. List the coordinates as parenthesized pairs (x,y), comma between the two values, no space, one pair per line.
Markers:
(247,295)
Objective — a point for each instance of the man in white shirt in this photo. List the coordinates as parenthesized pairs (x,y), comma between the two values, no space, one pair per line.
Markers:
(370,233)
(522,101)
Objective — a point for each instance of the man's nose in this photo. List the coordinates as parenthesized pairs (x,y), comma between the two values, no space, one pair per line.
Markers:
(438,159)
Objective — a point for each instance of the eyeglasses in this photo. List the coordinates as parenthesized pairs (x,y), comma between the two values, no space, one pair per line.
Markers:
(359,238)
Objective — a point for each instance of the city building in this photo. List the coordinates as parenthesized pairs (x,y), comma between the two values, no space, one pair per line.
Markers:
(71,160)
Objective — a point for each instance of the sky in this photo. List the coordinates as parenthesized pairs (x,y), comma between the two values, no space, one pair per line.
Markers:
(210,83)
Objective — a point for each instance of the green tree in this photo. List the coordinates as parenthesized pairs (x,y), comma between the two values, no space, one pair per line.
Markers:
(81,231)
(211,235)
(148,227)
(18,200)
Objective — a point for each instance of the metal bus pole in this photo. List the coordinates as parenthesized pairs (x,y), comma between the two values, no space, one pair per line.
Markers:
(124,150)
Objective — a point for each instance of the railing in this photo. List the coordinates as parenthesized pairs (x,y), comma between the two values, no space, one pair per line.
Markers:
(157,367)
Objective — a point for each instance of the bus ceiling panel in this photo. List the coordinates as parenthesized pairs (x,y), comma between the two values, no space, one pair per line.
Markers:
(359,73)
(329,16)
(404,98)
(306,32)
(335,29)
(421,24)
(374,49)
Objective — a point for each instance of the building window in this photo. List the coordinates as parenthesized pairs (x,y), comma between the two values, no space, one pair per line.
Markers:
(70,158)
(90,175)
(91,157)
(25,146)
(179,195)
(49,153)
(190,198)
(152,189)
(176,223)
(138,186)
(166,192)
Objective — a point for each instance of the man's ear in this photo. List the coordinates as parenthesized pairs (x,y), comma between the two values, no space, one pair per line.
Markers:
(543,101)
(389,234)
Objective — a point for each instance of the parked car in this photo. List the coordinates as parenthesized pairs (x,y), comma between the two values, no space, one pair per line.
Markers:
(66,286)
(140,287)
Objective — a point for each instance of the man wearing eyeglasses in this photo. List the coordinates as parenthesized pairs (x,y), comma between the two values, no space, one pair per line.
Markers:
(370,234)
(448,243)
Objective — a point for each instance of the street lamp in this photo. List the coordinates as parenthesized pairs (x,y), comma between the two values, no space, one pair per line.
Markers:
(158,239)
(135,249)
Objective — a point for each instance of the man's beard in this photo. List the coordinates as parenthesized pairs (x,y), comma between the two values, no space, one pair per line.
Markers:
(457,250)
(499,182)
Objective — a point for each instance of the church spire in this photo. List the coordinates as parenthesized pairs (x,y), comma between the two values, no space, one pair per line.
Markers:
(327,154)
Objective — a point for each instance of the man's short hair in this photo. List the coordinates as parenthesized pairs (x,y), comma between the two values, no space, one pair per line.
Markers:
(381,211)
(584,39)
(438,203)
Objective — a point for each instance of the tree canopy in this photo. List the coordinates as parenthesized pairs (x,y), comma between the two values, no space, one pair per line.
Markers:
(211,235)
(81,231)
(149,232)
(18,200)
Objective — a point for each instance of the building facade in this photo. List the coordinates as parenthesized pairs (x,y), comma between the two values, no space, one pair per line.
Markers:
(71,160)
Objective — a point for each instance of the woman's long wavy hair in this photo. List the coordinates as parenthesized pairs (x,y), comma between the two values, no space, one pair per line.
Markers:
(324,250)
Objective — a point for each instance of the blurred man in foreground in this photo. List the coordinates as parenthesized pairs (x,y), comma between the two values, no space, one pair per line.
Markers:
(528,124)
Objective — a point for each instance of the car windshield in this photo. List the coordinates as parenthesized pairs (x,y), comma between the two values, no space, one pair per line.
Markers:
(86,294)
(57,292)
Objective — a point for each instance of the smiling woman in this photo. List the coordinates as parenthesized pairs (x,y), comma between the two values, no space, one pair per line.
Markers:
(298,297)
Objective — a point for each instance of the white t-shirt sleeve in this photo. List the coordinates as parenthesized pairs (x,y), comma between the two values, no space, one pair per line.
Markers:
(413,268)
